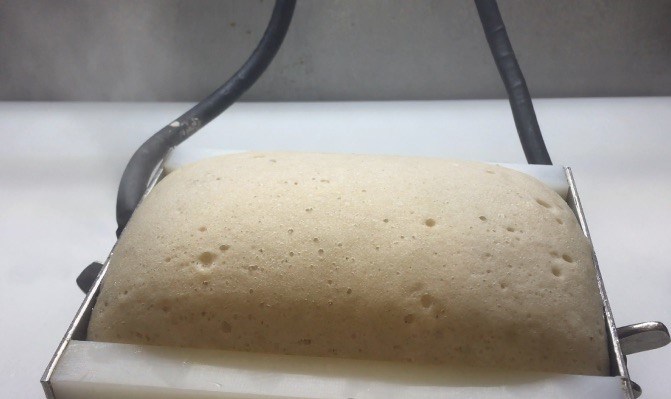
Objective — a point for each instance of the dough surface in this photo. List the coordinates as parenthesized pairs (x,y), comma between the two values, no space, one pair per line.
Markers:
(377,257)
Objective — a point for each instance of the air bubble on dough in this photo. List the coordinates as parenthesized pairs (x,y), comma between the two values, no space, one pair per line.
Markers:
(427,300)
(543,203)
(206,258)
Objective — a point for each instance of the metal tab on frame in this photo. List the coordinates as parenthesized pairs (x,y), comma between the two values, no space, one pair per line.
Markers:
(642,337)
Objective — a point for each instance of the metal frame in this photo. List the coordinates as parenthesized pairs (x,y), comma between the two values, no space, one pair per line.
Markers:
(79,325)
(618,363)
(650,335)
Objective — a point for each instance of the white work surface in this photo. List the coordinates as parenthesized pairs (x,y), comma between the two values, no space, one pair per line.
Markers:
(60,164)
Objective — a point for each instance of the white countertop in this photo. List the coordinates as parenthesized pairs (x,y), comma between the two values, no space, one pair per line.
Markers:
(61,164)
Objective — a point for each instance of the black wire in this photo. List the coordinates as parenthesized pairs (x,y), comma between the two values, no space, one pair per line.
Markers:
(146,158)
(518,93)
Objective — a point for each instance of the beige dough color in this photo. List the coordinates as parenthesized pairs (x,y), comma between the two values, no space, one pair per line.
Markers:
(375,257)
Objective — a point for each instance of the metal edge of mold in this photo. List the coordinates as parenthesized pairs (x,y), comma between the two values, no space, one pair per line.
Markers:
(83,315)
(617,360)
(75,325)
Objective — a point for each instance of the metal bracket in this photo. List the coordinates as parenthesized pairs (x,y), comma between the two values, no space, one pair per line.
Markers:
(88,276)
(642,337)
(636,389)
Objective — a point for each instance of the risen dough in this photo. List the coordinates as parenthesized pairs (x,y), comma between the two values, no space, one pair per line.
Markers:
(377,257)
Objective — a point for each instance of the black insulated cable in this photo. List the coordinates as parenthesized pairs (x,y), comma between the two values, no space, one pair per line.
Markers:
(516,87)
(151,152)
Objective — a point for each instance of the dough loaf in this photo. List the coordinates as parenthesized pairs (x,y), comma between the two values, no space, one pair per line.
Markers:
(375,257)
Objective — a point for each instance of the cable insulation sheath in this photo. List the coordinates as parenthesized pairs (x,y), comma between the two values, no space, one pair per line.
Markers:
(143,162)
(516,87)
